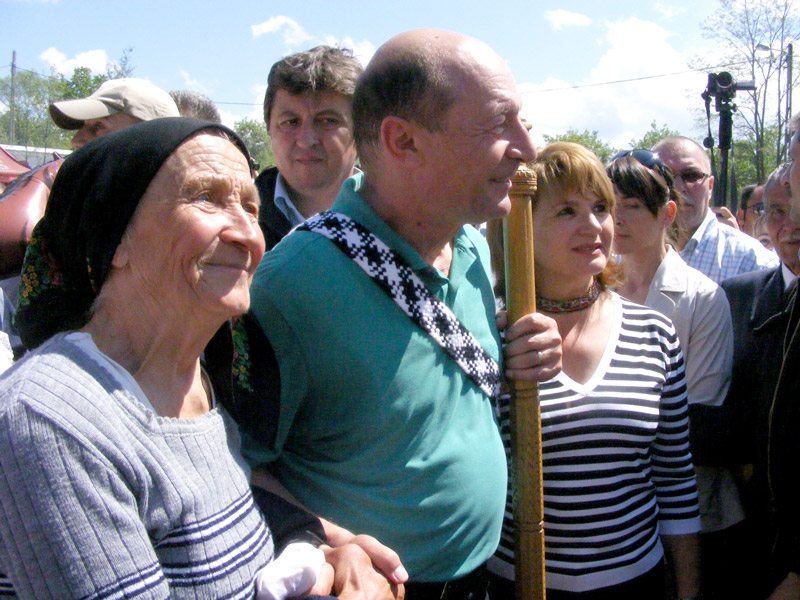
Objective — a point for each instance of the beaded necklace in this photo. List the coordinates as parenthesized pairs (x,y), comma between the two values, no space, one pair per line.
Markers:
(571,304)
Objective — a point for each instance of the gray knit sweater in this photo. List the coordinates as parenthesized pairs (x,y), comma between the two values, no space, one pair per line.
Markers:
(101,498)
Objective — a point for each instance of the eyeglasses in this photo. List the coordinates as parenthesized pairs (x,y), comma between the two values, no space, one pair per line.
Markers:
(647,157)
(757,208)
(692,177)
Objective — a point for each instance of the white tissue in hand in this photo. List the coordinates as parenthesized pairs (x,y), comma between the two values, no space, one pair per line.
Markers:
(292,574)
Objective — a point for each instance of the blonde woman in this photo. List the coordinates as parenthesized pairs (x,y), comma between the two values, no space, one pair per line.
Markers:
(619,486)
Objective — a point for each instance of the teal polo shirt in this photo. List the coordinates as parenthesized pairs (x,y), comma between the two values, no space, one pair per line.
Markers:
(380,431)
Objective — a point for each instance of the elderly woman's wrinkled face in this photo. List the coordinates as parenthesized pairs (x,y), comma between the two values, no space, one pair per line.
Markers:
(195,241)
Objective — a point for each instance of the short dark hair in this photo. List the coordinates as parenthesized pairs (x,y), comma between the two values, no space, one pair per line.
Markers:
(654,186)
(321,69)
(746,193)
(195,104)
(409,84)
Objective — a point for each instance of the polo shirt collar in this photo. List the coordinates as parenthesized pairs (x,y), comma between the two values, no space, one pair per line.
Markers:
(350,203)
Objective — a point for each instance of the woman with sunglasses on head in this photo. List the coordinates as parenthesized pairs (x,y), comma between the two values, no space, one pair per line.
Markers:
(655,275)
(619,488)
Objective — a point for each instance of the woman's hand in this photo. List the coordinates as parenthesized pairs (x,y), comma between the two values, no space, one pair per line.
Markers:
(533,347)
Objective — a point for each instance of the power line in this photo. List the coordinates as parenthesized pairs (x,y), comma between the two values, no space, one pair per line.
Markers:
(555,89)
(240,103)
(602,83)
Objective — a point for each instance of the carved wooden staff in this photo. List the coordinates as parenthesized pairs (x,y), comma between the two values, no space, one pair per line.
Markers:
(526,433)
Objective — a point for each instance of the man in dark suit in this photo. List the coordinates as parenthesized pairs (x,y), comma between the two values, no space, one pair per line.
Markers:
(783,441)
(760,312)
(307,109)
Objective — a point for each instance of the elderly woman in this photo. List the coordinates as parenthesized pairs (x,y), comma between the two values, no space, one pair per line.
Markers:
(619,487)
(121,473)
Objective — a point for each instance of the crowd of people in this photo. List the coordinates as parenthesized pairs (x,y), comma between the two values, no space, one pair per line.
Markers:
(224,383)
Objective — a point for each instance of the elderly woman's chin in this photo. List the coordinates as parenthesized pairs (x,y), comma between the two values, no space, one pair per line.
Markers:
(225,291)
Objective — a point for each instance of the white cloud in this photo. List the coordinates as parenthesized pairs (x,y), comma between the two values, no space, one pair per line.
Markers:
(363,51)
(559,19)
(669,11)
(293,34)
(195,85)
(621,111)
(95,60)
(297,38)
(228,118)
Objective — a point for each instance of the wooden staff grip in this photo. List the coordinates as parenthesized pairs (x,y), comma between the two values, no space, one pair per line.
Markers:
(525,417)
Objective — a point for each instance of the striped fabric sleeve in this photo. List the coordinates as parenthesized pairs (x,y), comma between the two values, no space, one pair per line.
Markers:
(671,459)
(69,525)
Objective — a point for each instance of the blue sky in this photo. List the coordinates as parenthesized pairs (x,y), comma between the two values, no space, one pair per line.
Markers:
(224,48)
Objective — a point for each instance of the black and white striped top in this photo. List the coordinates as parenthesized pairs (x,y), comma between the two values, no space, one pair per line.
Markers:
(616,461)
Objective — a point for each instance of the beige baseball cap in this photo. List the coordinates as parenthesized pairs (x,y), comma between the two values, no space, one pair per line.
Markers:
(135,97)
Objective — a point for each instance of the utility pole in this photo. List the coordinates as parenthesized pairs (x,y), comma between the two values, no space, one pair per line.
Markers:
(789,78)
(11,108)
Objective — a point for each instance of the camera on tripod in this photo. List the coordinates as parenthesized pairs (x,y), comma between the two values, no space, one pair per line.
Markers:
(723,86)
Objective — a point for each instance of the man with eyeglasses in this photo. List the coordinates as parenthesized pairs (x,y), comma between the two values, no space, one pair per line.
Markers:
(759,308)
(713,249)
(751,207)
(781,448)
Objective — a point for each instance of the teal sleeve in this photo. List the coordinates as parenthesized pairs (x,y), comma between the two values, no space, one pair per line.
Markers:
(293,372)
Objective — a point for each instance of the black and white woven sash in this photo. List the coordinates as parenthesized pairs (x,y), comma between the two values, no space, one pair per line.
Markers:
(395,277)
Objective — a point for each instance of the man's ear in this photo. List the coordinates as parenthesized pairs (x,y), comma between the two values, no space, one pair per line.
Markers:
(400,139)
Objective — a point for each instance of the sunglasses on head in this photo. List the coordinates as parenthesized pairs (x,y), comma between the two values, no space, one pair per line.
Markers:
(647,157)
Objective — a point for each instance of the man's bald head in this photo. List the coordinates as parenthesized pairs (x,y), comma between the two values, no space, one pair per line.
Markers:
(414,76)
(691,169)
(679,143)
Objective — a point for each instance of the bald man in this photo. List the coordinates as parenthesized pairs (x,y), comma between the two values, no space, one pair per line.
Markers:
(715,250)
(377,427)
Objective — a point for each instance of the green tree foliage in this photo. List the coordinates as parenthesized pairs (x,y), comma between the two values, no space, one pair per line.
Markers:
(744,157)
(33,94)
(32,125)
(255,136)
(588,139)
(652,136)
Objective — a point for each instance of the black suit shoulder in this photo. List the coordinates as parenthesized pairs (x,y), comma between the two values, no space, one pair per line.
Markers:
(758,311)
(754,280)
(273,223)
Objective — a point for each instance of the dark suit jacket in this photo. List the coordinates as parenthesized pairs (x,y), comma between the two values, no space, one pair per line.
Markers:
(760,314)
(784,448)
(274,225)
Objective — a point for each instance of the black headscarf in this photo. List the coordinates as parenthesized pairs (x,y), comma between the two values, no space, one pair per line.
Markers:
(94,198)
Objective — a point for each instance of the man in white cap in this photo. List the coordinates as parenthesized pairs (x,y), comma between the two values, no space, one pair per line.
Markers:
(116,104)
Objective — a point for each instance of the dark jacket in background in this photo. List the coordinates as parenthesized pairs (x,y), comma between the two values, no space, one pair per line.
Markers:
(273,223)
